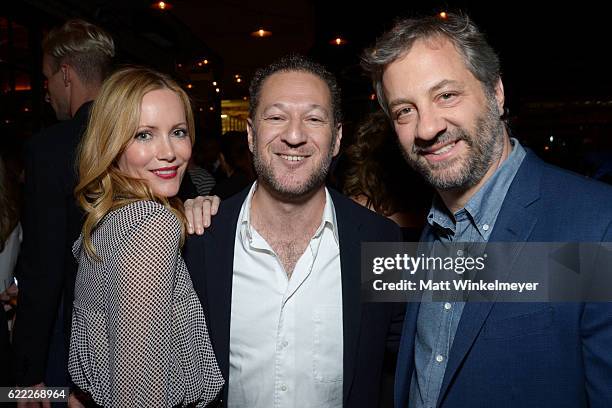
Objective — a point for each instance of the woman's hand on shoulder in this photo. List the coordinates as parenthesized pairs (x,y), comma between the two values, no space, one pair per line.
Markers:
(199,211)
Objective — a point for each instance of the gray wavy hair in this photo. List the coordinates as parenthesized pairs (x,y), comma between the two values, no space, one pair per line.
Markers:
(470,42)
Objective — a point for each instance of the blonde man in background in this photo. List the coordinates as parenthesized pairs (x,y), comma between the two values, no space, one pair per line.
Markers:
(76,59)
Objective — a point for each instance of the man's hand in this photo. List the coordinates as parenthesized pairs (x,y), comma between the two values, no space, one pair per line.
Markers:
(34,404)
(199,212)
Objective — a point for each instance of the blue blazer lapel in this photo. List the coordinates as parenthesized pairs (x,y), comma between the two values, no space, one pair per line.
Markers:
(518,215)
(350,248)
(514,225)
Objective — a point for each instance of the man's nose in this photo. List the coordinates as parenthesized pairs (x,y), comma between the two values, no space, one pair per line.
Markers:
(430,124)
(295,133)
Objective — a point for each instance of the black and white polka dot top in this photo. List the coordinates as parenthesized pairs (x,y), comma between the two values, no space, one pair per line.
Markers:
(139,337)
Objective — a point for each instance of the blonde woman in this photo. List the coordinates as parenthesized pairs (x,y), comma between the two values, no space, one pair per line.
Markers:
(139,337)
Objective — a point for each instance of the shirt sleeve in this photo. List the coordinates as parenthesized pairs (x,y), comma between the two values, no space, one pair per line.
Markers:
(139,307)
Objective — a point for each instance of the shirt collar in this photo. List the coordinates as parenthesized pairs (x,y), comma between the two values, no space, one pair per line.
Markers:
(244,219)
(328,220)
(482,209)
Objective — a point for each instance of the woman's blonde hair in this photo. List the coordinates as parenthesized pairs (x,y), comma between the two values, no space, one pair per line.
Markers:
(113,122)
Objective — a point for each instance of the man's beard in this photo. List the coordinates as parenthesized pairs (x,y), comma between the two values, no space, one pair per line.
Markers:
(484,147)
(288,190)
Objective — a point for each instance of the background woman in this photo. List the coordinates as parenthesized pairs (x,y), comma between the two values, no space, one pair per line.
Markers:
(10,240)
(373,172)
(139,337)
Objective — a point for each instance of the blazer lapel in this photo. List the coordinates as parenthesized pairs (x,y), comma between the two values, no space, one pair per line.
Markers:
(219,267)
(514,225)
(350,248)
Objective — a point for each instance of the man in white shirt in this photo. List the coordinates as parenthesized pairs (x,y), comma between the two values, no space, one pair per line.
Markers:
(278,270)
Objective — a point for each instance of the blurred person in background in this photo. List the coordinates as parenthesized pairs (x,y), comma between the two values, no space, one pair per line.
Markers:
(203,181)
(10,241)
(208,155)
(76,59)
(236,163)
(373,172)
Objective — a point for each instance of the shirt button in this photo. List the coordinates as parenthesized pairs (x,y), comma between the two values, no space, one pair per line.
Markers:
(285,343)
(485,227)
(460,252)
(283,387)
(447,306)
(439,358)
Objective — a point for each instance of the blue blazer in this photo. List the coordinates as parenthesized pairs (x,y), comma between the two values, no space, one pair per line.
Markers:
(370,329)
(530,354)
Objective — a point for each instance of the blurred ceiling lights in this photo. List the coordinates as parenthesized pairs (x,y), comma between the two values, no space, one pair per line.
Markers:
(338,41)
(261,33)
(161,5)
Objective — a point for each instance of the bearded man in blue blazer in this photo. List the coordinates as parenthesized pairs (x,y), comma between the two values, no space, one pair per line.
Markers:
(439,81)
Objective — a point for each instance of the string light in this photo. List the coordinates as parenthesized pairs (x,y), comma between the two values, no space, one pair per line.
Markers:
(261,33)
(338,41)
(161,5)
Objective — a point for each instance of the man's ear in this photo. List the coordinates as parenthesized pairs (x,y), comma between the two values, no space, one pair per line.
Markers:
(499,95)
(250,134)
(336,147)
(66,74)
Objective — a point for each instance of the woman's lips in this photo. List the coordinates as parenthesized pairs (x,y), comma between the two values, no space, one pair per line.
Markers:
(166,172)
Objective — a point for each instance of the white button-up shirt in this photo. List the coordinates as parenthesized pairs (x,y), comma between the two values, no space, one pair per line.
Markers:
(286,341)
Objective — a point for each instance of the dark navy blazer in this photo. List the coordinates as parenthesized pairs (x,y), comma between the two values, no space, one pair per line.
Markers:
(530,354)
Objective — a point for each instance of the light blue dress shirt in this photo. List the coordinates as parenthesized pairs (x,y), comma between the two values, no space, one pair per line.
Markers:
(437,322)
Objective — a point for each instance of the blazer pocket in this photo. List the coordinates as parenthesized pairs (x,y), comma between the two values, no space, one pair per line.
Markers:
(519,326)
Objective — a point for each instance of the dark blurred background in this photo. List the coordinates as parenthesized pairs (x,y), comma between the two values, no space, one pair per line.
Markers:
(554,60)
